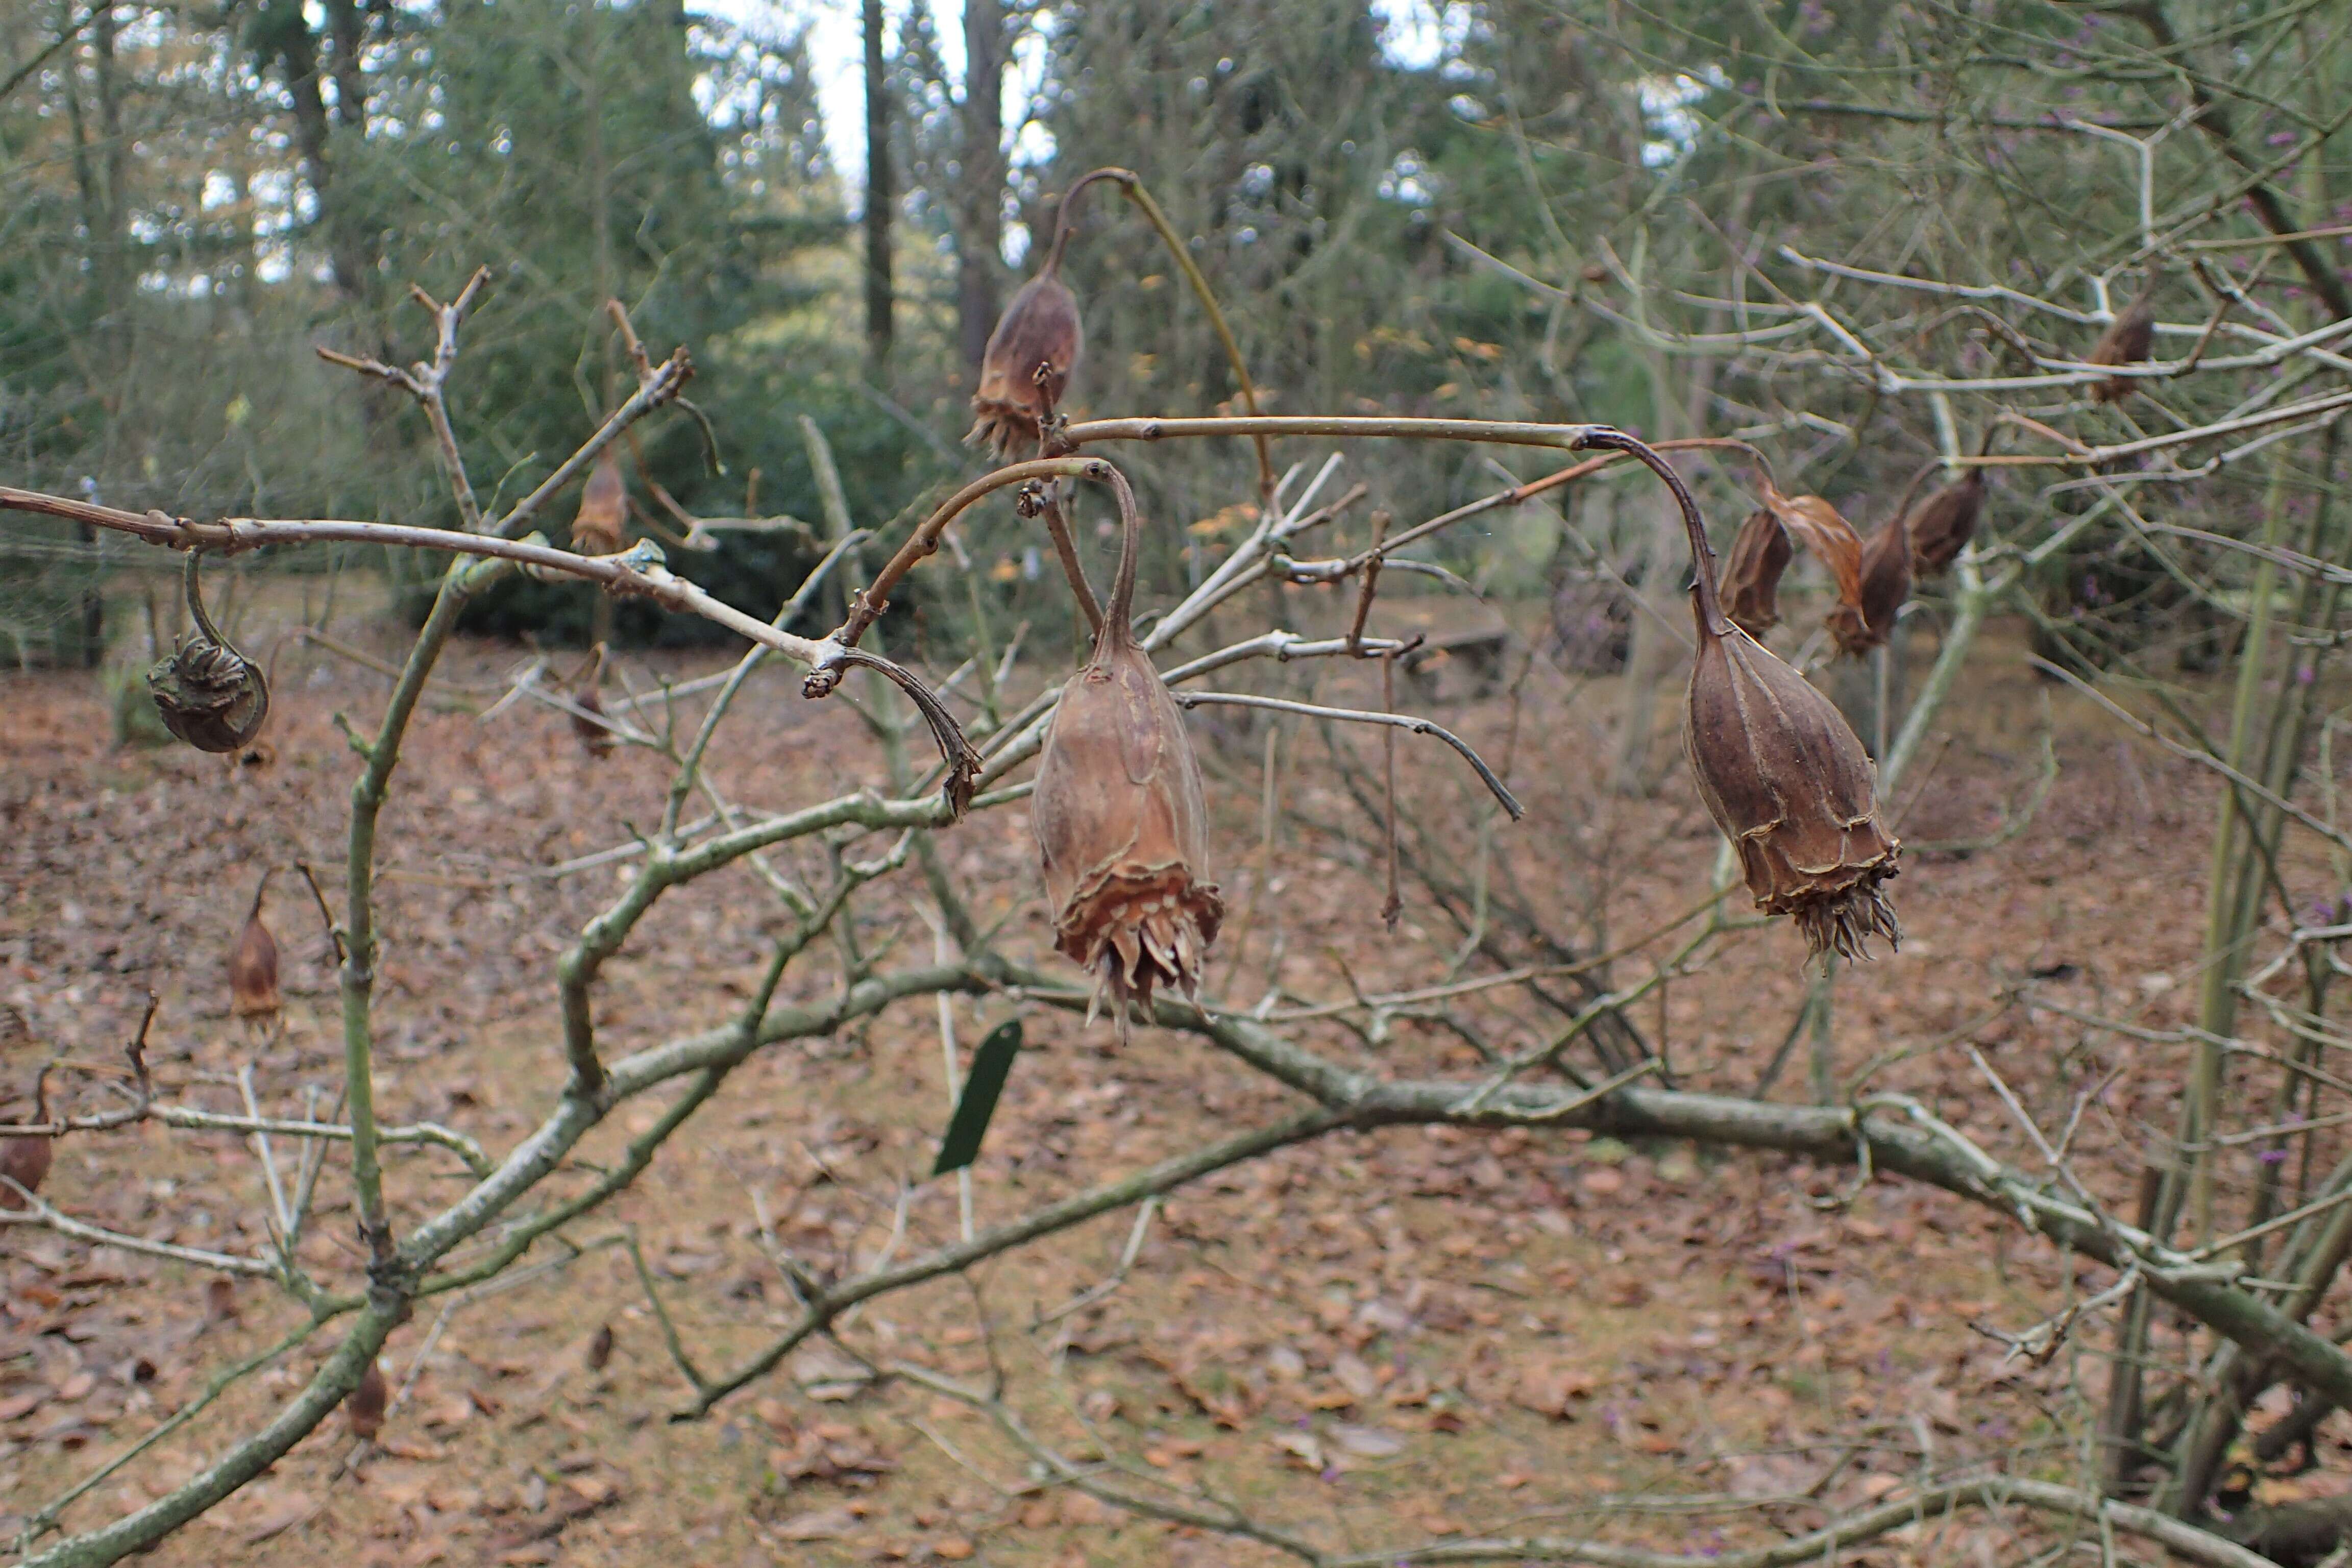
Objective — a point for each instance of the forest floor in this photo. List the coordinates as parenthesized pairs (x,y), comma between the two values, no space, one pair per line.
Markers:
(1372,1339)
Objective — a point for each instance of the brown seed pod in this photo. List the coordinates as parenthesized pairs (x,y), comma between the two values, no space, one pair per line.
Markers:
(1784,777)
(2125,341)
(1121,821)
(1885,583)
(365,1405)
(210,695)
(1941,526)
(1030,357)
(1760,553)
(1817,525)
(25,1162)
(598,528)
(595,738)
(1778,766)
(253,967)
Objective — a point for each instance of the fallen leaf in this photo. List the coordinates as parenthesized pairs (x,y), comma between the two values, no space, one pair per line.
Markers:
(825,1524)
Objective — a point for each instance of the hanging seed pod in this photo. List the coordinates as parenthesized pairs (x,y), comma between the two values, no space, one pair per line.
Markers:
(1121,823)
(2125,341)
(1030,357)
(1941,526)
(1885,583)
(365,1405)
(1760,553)
(1819,528)
(25,1162)
(596,739)
(1779,768)
(210,695)
(598,528)
(253,967)
(1784,777)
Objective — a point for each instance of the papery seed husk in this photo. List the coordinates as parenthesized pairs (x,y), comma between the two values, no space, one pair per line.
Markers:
(25,1161)
(1120,816)
(1122,826)
(1788,783)
(1885,583)
(1040,326)
(1941,526)
(1821,529)
(593,737)
(252,971)
(2125,341)
(598,526)
(1760,553)
(365,1405)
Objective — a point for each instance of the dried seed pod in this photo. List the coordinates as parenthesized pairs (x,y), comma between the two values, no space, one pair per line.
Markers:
(253,967)
(1818,526)
(1781,771)
(597,739)
(598,528)
(2125,341)
(25,1162)
(209,694)
(1885,583)
(1941,526)
(1121,821)
(365,1405)
(1751,574)
(1784,777)
(1031,356)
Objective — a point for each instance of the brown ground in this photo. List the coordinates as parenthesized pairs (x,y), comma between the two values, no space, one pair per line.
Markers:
(1370,1340)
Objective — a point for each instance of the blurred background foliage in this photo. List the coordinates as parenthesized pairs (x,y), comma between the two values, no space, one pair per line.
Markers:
(1516,208)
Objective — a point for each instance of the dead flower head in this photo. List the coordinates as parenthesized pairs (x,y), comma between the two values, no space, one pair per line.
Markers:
(1885,583)
(24,1161)
(1941,526)
(1760,553)
(1779,770)
(597,529)
(587,698)
(1121,822)
(1784,777)
(2125,341)
(364,1405)
(209,694)
(253,967)
(1030,357)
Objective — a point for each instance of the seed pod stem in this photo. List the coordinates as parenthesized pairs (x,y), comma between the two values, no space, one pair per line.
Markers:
(1710,609)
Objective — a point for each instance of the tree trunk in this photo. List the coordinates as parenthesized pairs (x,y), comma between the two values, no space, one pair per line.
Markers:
(979,235)
(879,197)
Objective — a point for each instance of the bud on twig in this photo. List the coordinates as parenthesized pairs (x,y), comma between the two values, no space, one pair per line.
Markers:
(209,694)
(1120,816)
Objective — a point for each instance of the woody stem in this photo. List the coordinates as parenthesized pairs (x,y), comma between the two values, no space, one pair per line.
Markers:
(1122,588)
(1710,609)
